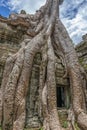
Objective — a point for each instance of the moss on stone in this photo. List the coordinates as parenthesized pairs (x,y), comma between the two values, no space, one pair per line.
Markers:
(76,126)
(65,124)
(85,66)
(81,60)
(63,117)
(32,128)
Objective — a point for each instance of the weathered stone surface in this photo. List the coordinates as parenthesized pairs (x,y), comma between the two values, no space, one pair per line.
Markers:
(0,106)
(32,119)
(12,31)
(59,72)
(10,38)
(82,52)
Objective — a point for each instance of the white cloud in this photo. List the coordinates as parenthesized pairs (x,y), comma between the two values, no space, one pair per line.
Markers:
(72,13)
(30,6)
(77,25)
(2,3)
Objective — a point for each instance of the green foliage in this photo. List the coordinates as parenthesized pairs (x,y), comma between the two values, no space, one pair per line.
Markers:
(28,129)
(85,66)
(81,60)
(76,126)
(65,124)
(41,129)
(33,128)
(25,128)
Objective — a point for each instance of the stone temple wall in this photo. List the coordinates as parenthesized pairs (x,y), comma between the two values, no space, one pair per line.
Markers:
(12,33)
(82,52)
(7,46)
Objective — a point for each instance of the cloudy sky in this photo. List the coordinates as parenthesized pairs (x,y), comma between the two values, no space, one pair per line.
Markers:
(73,13)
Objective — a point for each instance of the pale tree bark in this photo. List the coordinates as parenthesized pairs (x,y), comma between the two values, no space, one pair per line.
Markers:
(48,34)
(74,72)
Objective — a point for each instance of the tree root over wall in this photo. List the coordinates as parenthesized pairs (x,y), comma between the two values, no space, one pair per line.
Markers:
(48,33)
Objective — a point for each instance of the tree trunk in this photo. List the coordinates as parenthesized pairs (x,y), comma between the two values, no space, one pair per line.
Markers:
(47,33)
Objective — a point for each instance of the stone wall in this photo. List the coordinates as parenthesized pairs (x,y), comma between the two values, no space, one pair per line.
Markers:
(12,32)
(81,49)
(32,118)
(11,35)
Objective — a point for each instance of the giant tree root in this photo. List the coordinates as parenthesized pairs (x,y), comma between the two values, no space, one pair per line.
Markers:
(74,75)
(47,31)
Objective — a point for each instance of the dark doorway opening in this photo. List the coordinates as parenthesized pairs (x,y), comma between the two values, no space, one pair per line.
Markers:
(60,97)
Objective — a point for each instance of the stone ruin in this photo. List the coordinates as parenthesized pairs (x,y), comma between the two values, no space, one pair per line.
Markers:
(13,31)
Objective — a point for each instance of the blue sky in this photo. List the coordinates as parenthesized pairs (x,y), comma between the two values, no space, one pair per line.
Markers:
(73,13)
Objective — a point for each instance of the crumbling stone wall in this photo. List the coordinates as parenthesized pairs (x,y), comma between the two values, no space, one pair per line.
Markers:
(32,119)
(14,30)
(82,52)
(11,36)
(12,33)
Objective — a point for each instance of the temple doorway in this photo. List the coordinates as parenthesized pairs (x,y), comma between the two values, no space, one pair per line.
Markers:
(63,96)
